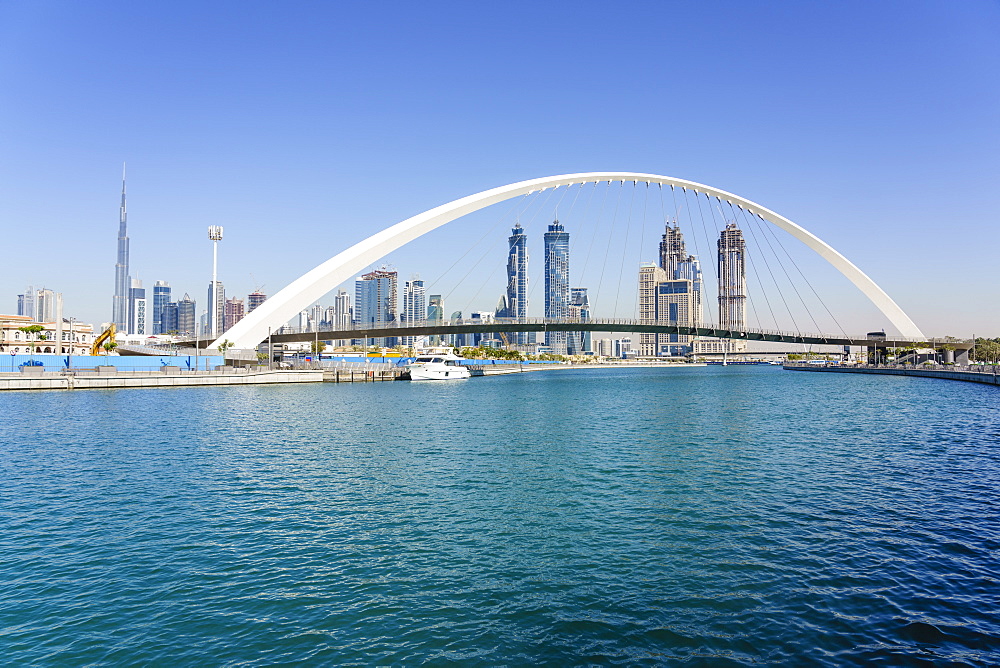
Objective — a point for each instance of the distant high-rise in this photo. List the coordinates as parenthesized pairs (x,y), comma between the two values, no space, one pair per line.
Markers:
(26,303)
(604,347)
(343,310)
(435,313)
(375,300)
(119,306)
(676,304)
(316,317)
(342,314)
(650,276)
(161,297)
(186,316)
(41,305)
(234,312)
(517,283)
(556,282)
(168,318)
(623,347)
(255,299)
(216,309)
(578,343)
(457,340)
(670,294)
(137,316)
(732,278)
(672,250)
(414,306)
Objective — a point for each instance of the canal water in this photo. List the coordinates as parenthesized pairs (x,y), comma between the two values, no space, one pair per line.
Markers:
(707,516)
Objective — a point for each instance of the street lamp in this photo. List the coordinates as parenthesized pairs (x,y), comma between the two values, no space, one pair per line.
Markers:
(215,234)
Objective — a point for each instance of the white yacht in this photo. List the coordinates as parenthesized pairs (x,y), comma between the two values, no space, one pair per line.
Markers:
(437,367)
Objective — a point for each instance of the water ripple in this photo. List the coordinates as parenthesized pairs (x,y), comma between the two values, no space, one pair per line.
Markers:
(728,516)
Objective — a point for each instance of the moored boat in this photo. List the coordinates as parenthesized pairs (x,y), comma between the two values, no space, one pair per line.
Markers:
(438,367)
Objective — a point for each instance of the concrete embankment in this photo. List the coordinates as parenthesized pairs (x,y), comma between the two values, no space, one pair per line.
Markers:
(986,378)
(517,368)
(120,379)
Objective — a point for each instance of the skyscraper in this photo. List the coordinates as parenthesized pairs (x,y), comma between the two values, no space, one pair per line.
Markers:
(234,312)
(119,306)
(375,300)
(168,318)
(517,283)
(676,304)
(137,317)
(161,297)
(26,303)
(255,299)
(435,313)
(670,294)
(732,278)
(672,251)
(579,343)
(215,325)
(343,314)
(414,306)
(556,282)
(457,340)
(186,315)
(650,276)
(316,317)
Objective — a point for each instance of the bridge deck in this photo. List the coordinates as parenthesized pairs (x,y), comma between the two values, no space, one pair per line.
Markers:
(395,329)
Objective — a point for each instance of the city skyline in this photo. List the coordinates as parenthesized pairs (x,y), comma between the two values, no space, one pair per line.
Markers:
(222,147)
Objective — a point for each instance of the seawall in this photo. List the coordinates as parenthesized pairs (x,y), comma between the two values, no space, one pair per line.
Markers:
(983,377)
(170,378)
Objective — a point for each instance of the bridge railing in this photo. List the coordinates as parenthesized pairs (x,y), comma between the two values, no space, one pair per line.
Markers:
(399,328)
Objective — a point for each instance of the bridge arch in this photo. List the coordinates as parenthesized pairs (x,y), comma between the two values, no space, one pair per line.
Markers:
(312,285)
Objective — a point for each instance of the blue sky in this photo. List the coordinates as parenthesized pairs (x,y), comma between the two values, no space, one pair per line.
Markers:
(304,127)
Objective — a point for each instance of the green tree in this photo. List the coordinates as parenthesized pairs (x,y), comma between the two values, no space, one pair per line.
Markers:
(109,346)
(223,346)
(33,332)
(986,350)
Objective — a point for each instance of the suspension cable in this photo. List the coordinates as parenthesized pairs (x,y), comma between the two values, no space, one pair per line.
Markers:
(704,228)
(788,277)
(767,266)
(760,284)
(611,231)
(804,277)
(628,228)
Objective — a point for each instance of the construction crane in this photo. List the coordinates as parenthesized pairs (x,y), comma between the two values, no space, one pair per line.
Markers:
(107,335)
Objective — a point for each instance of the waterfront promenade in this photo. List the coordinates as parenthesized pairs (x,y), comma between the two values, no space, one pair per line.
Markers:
(986,376)
(169,376)
(109,377)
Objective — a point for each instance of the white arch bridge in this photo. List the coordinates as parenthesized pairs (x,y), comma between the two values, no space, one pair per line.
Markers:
(509,325)
(313,285)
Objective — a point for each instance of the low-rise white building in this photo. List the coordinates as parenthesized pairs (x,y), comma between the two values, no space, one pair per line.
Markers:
(74,337)
(718,346)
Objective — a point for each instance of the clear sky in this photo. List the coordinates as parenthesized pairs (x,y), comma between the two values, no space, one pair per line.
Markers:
(302,127)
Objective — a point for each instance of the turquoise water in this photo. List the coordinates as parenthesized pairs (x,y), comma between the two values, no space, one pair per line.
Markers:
(706,516)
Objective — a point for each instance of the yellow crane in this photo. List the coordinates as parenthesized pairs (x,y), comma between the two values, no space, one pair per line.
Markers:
(107,335)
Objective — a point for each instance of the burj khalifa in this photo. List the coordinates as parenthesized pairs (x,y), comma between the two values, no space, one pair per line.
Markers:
(119,308)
